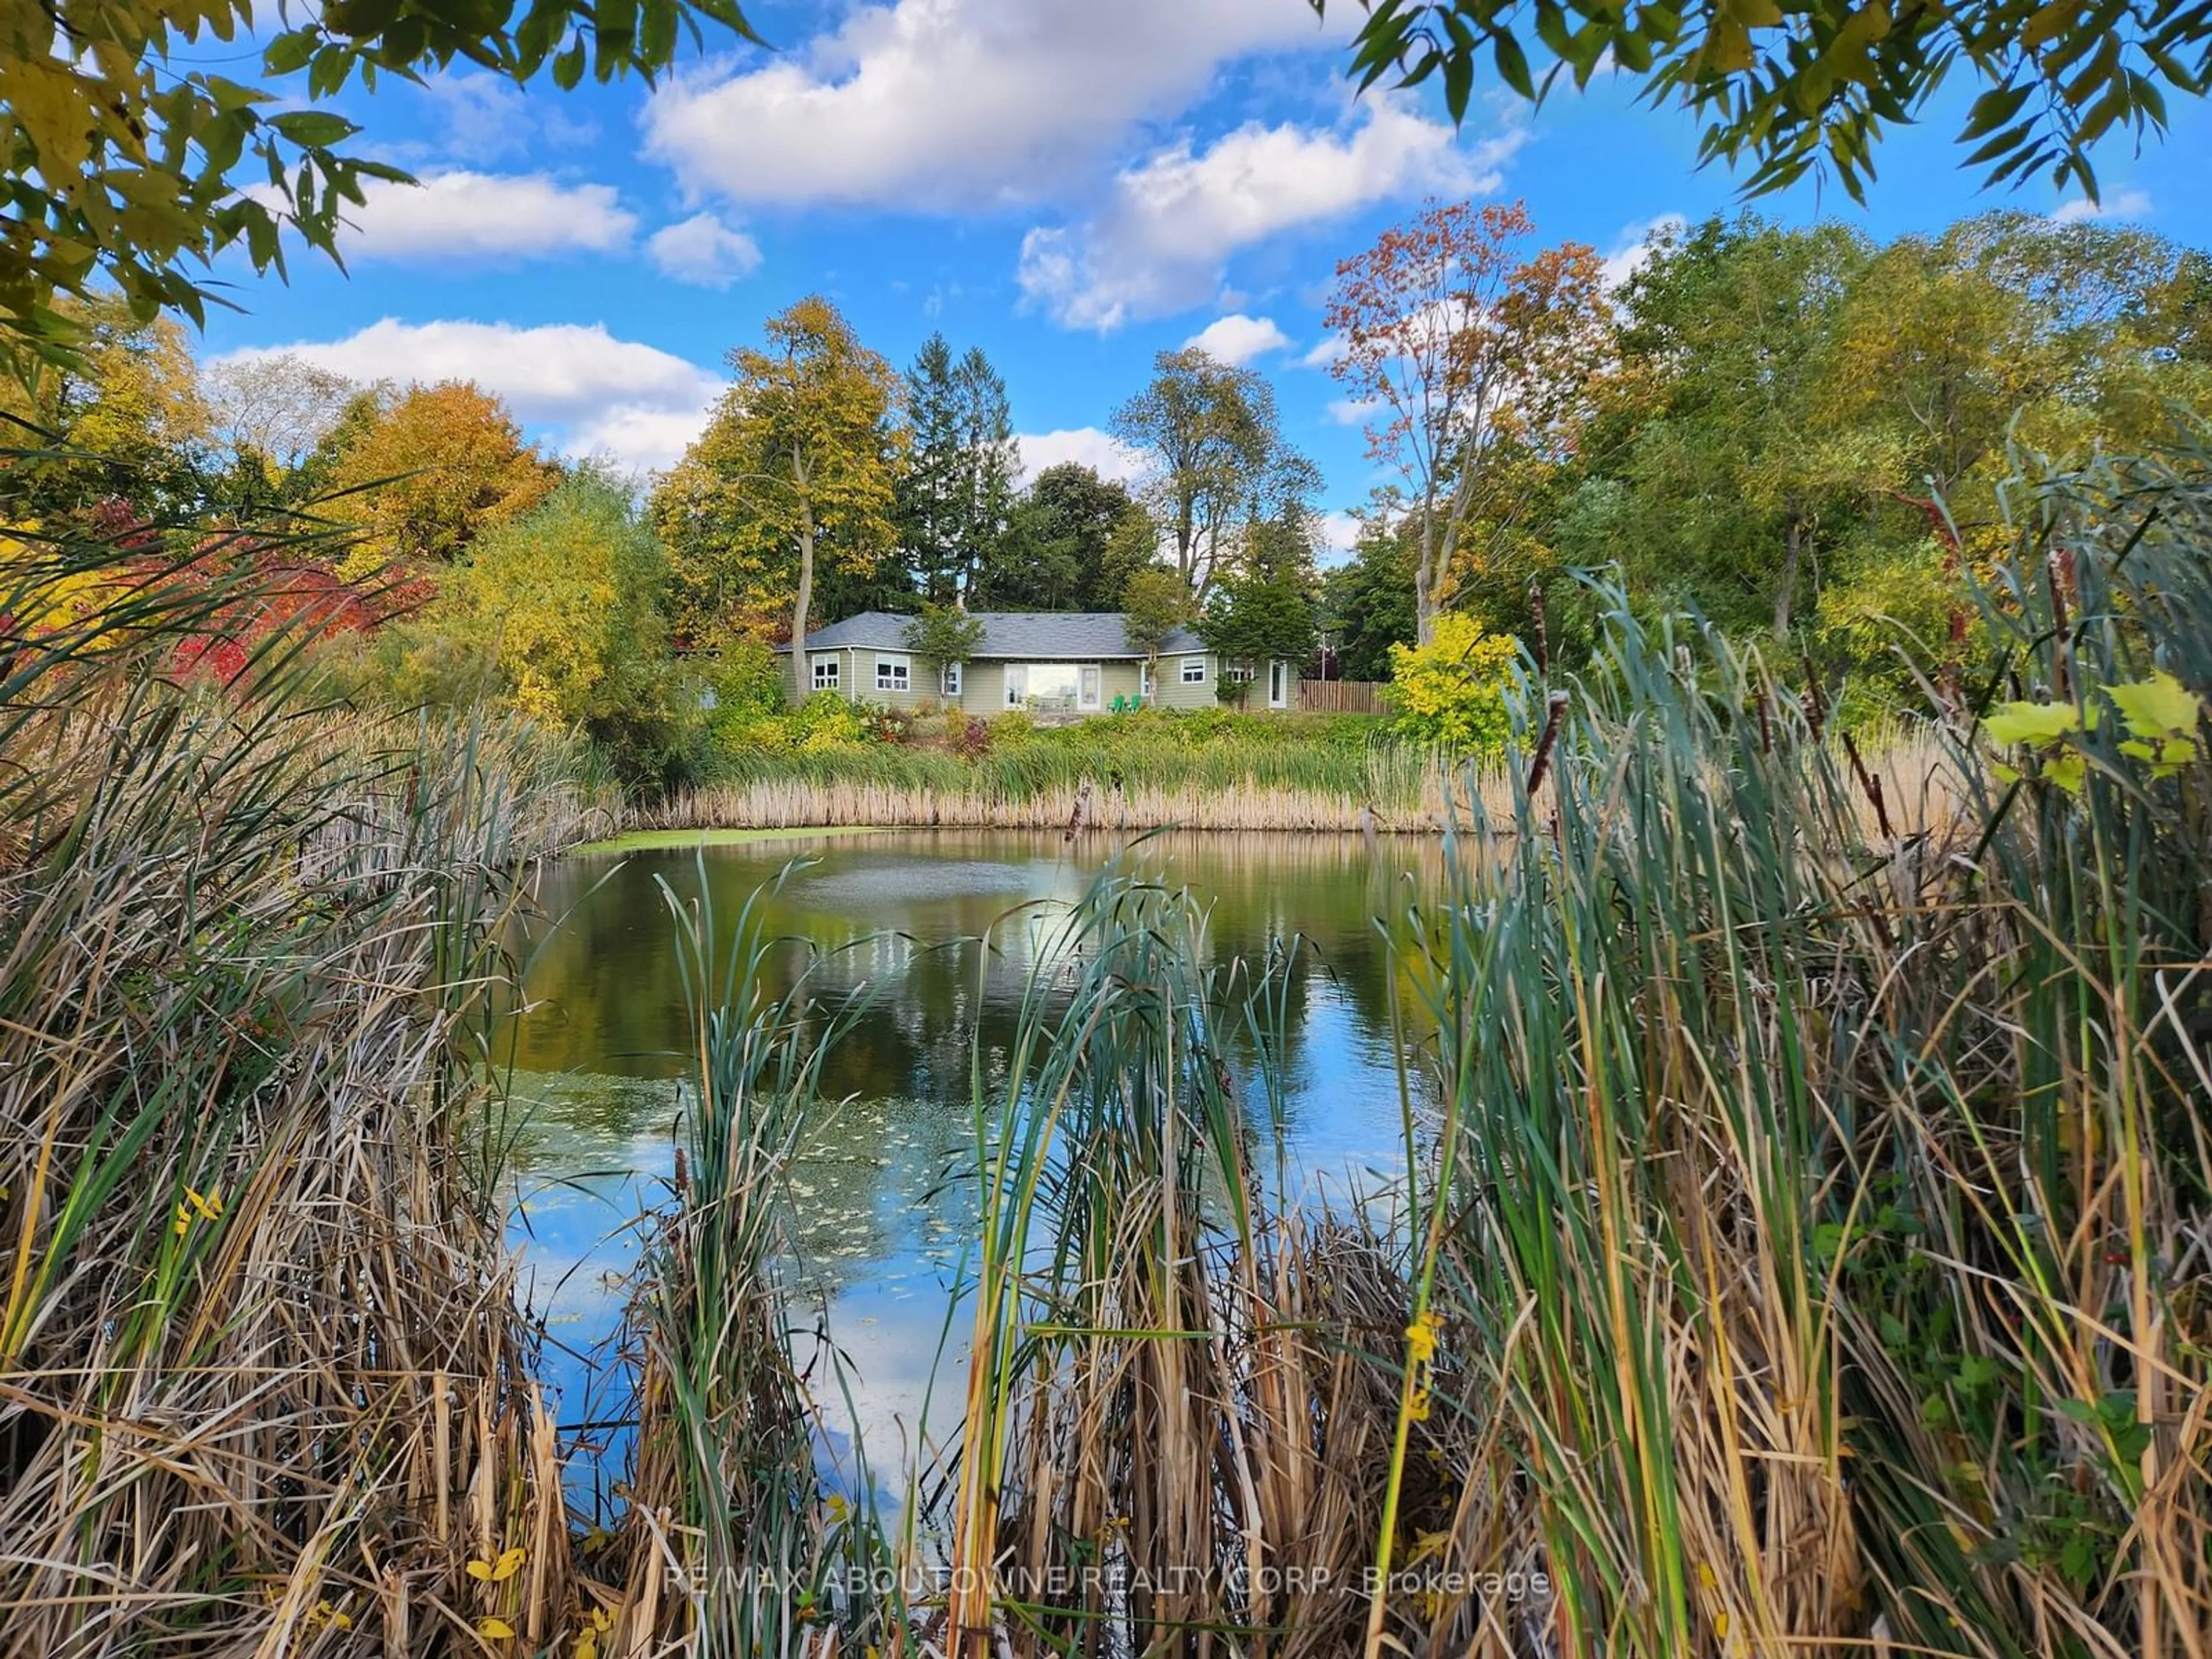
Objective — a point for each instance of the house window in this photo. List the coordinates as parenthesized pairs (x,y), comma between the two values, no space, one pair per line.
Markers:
(893,673)
(1238,672)
(1146,688)
(948,680)
(825,673)
(1194,671)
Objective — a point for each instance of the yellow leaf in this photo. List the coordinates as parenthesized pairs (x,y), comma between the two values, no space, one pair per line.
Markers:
(2156,707)
(1421,1337)
(495,1629)
(1426,1544)
(2037,723)
(480,1571)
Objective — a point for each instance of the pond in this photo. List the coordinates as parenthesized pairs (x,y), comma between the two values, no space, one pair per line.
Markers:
(882,1216)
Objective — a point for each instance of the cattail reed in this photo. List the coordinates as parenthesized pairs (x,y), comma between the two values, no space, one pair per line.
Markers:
(1555,708)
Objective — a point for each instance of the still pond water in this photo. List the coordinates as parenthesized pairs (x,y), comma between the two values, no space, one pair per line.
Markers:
(882,1215)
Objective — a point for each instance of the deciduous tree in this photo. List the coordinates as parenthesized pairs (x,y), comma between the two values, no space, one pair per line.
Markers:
(944,634)
(1818,84)
(124,420)
(1154,604)
(428,470)
(1367,603)
(279,406)
(123,153)
(1473,361)
(1071,544)
(798,462)
(1728,343)
(568,598)
(1211,435)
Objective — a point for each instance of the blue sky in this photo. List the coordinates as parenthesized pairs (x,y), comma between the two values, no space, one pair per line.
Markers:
(1072,187)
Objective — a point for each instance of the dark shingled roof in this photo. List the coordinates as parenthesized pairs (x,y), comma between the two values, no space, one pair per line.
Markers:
(1027,635)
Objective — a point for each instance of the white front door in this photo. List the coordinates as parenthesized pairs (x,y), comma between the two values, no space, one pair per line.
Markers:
(1087,696)
(1279,684)
(1017,685)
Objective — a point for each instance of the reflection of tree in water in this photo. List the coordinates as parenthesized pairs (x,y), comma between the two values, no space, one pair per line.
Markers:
(876,1222)
(889,911)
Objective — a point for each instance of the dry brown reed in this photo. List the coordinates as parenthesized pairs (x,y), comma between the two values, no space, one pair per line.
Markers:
(798,803)
(265,1387)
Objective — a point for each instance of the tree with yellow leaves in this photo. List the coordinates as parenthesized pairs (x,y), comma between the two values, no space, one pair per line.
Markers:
(566,598)
(436,466)
(797,464)
(124,419)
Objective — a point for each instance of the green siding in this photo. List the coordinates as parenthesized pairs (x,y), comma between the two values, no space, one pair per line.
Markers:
(983,684)
(983,688)
(1121,679)
(1176,694)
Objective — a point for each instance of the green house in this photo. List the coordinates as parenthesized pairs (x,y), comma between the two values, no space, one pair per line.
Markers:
(1054,664)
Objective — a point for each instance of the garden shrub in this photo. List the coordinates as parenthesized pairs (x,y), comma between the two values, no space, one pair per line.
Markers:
(1452,691)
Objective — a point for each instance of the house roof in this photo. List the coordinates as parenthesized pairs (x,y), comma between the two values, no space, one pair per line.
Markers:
(1027,635)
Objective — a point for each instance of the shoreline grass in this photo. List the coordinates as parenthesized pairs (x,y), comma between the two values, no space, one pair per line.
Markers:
(265,1385)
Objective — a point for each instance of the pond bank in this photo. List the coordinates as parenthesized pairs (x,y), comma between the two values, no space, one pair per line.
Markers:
(792,803)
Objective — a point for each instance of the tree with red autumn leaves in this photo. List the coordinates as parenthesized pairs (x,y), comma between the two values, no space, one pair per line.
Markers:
(1472,358)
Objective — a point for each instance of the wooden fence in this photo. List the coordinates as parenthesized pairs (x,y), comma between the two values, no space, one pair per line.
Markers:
(1341,696)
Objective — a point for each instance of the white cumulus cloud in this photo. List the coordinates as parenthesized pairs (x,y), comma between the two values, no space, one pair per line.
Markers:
(1159,245)
(1329,349)
(487,215)
(1633,247)
(1086,445)
(2127,205)
(1337,534)
(1237,338)
(704,251)
(940,104)
(589,392)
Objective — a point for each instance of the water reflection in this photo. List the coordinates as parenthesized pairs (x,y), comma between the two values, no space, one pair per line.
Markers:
(881,1223)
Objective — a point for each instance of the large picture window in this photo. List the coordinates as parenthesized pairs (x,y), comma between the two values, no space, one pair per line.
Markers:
(893,673)
(1194,671)
(825,673)
(1052,688)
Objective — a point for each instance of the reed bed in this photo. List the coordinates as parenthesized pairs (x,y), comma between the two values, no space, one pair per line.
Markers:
(1176,1434)
(1805,1253)
(1129,773)
(733,1541)
(264,1385)
(1377,786)
(799,803)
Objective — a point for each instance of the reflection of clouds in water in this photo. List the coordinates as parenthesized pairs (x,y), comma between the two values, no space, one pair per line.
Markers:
(882,1206)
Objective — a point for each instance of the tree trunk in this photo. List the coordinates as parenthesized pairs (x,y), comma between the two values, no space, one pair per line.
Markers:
(802,676)
(1785,589)
(1425,582)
